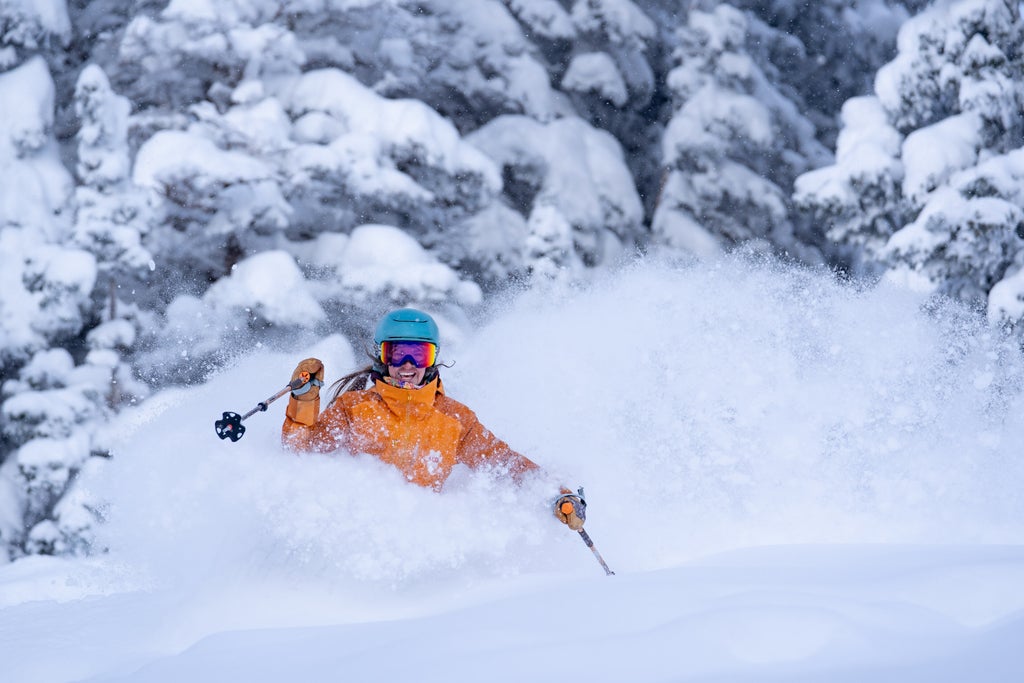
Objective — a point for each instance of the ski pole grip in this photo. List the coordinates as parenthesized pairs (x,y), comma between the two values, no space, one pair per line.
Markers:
(303,384)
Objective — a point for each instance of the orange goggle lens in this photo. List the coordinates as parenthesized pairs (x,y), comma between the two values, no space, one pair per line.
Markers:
(419,353)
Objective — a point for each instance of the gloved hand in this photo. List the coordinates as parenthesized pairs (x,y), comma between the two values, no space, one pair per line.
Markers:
(571,509)
(311,370)
(304,402)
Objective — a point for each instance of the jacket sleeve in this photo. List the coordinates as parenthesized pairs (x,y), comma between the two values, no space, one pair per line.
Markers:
(478,447)
(328,432)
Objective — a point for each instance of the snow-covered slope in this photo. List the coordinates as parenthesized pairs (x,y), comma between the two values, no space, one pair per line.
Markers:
(794,481)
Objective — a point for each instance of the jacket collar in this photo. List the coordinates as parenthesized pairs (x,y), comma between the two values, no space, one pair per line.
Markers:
(395,396)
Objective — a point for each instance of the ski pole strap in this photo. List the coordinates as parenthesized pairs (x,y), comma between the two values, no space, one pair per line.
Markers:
(307,386)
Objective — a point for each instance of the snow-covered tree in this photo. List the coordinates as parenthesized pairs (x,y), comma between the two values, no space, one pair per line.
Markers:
(282,106)
(955,91)
(31,26)
(928,175)
(380,263)
(612,75)
(41,301)
(835,49)
(200,50)
(570,183)
(49,414)
(376,159)
(858,201)
(110,222)
(735,142)
(468,61)
(346,281)
(50,401)
(111,213)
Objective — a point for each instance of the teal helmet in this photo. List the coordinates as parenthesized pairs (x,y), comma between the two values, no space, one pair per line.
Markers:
(406,324)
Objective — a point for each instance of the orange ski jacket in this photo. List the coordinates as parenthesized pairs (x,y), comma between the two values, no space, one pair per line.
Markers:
(421,431)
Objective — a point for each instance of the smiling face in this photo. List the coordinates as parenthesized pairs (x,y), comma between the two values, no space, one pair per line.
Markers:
(407,360)
(407,373)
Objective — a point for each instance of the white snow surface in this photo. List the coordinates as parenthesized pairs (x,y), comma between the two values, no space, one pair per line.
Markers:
(793,481)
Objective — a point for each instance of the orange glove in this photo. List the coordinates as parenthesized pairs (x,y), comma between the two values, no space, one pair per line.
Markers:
(571,510)
(304,403)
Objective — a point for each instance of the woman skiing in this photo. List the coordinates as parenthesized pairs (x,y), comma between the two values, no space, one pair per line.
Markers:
(404,418)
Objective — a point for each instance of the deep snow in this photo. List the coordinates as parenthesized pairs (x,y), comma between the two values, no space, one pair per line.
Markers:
(794,481)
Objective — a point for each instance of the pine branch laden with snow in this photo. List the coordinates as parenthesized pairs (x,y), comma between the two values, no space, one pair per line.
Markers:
(34,24)
(956,56)
(858,201)
(969,234)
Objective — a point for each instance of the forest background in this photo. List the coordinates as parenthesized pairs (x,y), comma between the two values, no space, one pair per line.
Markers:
(187,180)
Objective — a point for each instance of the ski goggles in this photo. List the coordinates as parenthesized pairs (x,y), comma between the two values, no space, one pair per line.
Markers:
(422,354)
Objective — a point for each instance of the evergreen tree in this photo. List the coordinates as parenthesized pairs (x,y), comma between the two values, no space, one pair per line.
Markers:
(50,413)
(735,142)
(835,48)
(933,190)
(858,201)
(960,105)
(111,213)
(49,407)
(570,183)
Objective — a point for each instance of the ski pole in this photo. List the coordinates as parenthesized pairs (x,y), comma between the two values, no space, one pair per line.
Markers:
(590,544)
(566,507)
(230,425)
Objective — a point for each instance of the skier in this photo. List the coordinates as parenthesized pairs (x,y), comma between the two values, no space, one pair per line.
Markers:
(405,418)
